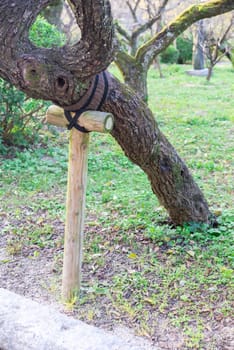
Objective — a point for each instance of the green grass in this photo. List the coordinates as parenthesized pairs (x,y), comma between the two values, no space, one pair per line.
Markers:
(137,269)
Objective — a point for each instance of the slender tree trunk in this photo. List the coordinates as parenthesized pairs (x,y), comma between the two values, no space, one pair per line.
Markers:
(232,57)
(157,65)
(136,130)
(210,71)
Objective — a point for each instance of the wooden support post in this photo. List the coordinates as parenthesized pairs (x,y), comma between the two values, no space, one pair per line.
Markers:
(76,191)
(75,207)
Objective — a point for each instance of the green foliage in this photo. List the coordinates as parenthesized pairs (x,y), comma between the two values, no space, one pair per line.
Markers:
(185,48)
(170,55)
(44,34)
(19,122)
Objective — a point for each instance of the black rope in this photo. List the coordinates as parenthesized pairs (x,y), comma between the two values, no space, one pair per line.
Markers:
(106,87)
(92,93)
(73,121)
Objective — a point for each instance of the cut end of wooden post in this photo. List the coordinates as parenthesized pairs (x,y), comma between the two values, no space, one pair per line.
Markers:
(109,122)
(91,120)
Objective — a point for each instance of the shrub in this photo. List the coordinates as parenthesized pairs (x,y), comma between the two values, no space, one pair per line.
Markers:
(170,55)
(19,122)
(185,48)
(44,34)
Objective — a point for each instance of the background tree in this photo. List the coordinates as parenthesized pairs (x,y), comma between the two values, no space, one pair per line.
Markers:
(133,57)
(215,47)
(198,44)
(218,41)
(211,38)
(65,74)
(131,38)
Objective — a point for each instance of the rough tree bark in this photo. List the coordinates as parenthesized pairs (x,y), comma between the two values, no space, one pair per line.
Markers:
(138,134)
(63,75)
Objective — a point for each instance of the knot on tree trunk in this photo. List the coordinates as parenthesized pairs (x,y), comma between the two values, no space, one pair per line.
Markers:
(36,75)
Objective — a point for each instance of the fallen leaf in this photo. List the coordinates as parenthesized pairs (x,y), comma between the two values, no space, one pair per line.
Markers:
(132,256)
(191,253)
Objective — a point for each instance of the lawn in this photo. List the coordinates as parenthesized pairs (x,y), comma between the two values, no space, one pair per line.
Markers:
(138,271)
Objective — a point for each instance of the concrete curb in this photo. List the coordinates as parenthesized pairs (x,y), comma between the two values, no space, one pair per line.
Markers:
(198,72)
(28,325)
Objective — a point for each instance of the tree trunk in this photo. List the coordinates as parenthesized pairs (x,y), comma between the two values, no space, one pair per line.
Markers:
(210,71)
(135,76)
(232,57)
(136,130)
(157,65)
(198,46)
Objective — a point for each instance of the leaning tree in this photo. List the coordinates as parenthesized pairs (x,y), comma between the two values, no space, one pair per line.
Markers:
(74,77)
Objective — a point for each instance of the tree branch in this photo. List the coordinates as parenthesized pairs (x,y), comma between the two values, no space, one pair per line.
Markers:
(224,36)
(122,31)
(145,26)
(169,33)
(151,7)
(133,9)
